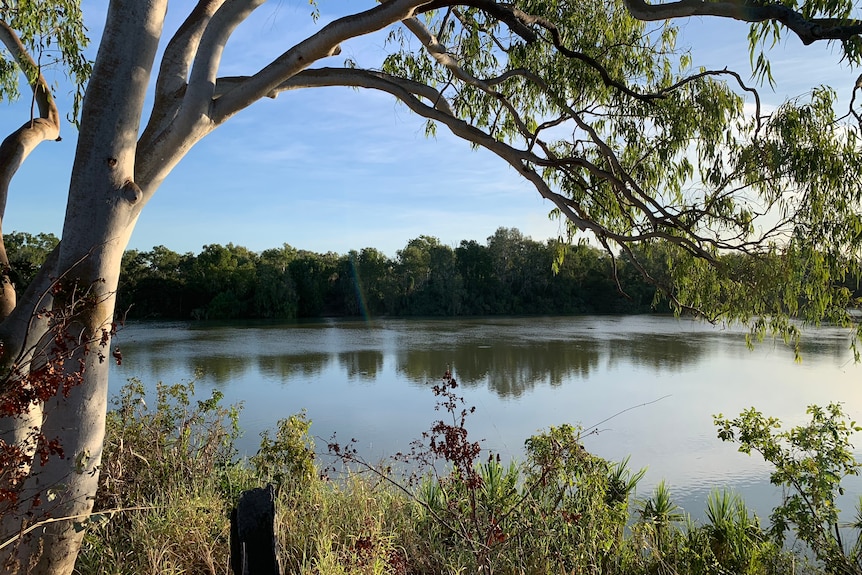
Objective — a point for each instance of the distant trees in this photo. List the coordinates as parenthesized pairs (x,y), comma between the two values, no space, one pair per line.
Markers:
(26,254)
(510,274)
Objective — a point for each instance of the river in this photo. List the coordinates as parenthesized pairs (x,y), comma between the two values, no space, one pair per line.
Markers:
(371,381)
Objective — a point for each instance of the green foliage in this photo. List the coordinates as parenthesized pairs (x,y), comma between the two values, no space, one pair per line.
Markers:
(511,274)
(185,437)
(735,536)
(288,459)
(54,35)
(169,479)
(809,462)
(27,253)
(765,35)
(167,482)
(660,515)
(648,147)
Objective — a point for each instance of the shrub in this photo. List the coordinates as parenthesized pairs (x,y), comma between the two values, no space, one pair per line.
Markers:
(171,471)
(809,462)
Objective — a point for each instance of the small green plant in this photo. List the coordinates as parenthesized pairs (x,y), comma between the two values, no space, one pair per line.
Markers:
(172,472)
(561,510)
(150,449)
(660,516)
(288,458)
(735,536)
(809,462)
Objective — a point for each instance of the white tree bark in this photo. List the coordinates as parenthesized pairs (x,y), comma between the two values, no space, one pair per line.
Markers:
(15,148)
(19,144)
(103,206)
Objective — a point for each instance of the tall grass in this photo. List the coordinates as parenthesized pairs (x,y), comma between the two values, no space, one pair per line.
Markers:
(171,471)
(174,470)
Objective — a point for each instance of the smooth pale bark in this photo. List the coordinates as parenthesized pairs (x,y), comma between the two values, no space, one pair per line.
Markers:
(19,144)
(185,112)
(103,206)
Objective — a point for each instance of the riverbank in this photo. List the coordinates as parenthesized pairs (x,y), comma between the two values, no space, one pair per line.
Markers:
(171,471)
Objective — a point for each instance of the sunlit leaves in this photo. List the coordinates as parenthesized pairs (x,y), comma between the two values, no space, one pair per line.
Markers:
(765,34)
(809,462)
(53,32)
(8,75)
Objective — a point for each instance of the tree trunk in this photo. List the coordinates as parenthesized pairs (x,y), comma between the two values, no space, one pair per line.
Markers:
(104,203)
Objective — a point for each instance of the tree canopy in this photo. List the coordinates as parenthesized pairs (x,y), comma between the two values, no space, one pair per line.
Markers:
(755,212)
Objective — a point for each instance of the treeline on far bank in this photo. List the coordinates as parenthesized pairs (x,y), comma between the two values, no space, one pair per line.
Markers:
(509,274)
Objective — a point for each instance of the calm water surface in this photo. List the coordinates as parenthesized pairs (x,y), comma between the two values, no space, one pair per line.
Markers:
(371,381)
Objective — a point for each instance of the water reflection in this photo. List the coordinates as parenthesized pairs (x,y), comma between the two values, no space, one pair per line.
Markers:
(218,369)
(510,357)
(364,364)
(831,342)
(658,352)
(287,366)
(509,370)
(370,381)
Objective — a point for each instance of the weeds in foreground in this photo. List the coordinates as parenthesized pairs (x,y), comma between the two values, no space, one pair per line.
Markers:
(561,510)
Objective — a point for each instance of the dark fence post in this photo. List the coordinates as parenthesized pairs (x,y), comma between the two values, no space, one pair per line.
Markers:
(252,533)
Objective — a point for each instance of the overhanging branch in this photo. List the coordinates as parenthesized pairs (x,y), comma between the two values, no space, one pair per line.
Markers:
(409,92)
(809,30)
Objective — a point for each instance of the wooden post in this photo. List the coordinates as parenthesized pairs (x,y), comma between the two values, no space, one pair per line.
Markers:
(252,533)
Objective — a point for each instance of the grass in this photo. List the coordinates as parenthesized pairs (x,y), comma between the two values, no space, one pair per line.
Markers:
(561,510)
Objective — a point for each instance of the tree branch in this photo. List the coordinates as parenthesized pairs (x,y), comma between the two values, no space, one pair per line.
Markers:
(19,144)
(405,91)
(41,92)
(808,30)
(522,160)
(323,44)
(202,106)
(204,71)
(440,54)
(174,71)
(184,112)
(505,13)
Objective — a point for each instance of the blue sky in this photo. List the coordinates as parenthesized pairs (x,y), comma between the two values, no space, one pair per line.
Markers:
(337,169)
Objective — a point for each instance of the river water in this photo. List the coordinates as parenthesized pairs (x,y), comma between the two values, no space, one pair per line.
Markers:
(372,381)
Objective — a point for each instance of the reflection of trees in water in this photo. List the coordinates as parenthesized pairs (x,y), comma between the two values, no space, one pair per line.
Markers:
(290,365)
(364,363)
(658,351)
(142,362)
(218,368)
(510,365)
(834,345)
(509,370)
(150,359)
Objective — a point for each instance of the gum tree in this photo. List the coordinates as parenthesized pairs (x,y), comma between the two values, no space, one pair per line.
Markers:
(757,213)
